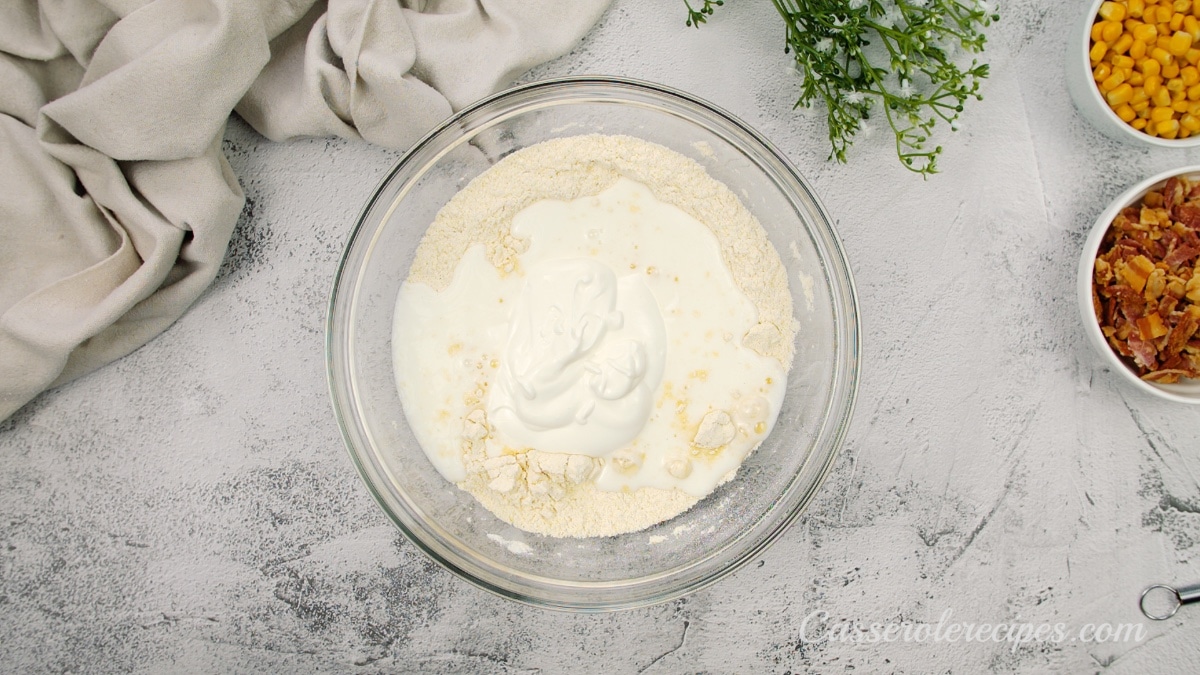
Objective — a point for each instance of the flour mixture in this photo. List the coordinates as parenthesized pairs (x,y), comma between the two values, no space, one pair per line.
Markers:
(593,336)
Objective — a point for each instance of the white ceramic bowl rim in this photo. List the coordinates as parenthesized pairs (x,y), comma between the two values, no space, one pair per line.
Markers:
(1180,393)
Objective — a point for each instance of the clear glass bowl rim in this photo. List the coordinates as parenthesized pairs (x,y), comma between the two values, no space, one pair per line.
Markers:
(641,591)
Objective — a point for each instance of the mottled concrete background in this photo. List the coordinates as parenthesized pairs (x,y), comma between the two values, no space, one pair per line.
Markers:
(192,507)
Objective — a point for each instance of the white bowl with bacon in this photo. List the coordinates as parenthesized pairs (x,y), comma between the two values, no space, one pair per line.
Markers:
(1139,303)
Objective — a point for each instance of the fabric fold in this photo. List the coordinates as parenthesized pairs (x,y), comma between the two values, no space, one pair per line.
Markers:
(116,201)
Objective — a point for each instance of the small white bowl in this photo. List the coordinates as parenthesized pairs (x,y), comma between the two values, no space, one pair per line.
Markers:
(1087,97)
(1187,391)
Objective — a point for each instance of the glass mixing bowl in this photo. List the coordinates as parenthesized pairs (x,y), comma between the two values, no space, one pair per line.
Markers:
(723,531)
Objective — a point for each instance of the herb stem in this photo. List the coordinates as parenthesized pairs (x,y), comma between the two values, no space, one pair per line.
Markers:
(858,55)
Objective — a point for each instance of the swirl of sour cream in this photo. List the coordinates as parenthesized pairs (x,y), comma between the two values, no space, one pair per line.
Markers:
(584,355)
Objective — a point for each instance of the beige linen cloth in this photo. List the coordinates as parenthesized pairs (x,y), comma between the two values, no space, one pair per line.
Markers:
(116,202)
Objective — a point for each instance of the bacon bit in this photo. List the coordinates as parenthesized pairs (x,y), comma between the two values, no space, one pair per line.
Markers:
(1140,281)
(1121,346)
(1151,327)
(1166,376)
(1183,331)
(1143,353)
(1172,193)
(1181,255)
(1137,269)
(1131,303)
(1189,215)
(1173,363)
(1167,305)
(1189,237)
(1132,247)
(1170,239)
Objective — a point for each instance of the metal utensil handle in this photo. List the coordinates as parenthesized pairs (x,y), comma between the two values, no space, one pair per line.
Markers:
(1183,596)
(1188,594)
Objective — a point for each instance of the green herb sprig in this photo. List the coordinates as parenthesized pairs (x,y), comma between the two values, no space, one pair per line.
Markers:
(897,56)
(699,16)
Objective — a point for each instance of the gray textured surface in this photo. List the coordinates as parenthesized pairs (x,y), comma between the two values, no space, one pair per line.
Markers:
(192,508)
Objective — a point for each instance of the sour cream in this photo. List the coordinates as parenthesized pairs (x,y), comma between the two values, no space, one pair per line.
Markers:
(583,359)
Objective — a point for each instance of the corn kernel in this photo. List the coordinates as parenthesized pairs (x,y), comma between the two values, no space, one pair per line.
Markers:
(1150,68)
(1170,70)
(1190,122)
(1112,11)
(1146,33)
(1142,108)
(1176,22)
(1174,85)
(1110,30)
(1158,53)
(1180,106)
(1152,84)
(1111,82)
(1183,133)
(1137,50)
(1120,61)
(1099,49)
(1135,8)
(1126,113)
(1161,114)
(1196,8)
(1180,43)
(1163,14)
(1150,129)
(1180,5)
(1167,129)
(1139,124)
(1102,71)
(1192,56)
(1162,97)
(1194,109)
(1135,78)
(1120,95)
(1190,75)
(1193,92)
(1191,25)
(1163,41)
(1124,42)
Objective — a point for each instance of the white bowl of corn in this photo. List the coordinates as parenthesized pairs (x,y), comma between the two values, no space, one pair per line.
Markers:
(1133,70)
